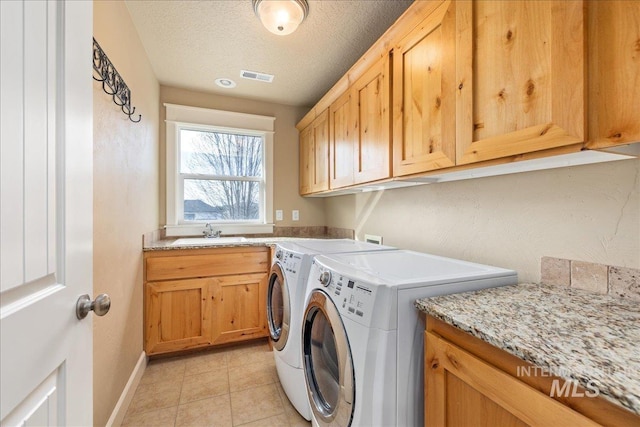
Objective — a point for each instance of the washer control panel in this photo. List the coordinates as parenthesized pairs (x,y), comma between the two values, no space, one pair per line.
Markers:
(290,261)
(353,298)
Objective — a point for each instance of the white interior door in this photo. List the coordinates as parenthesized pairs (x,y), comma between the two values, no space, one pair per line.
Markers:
(46,163)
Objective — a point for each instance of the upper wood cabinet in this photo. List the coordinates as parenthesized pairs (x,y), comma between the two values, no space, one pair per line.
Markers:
(614,72)
(520,71)
(341,142)
(424,95)
(314,155)
(360,129)
(371,102)
(463,84)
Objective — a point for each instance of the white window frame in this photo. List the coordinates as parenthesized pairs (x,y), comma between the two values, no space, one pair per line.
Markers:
(180,117)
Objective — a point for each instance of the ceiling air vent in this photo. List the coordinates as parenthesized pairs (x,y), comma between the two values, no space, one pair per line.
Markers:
(253,75)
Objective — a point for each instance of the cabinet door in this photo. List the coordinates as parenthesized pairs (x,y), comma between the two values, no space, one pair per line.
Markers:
(341,142)
(370,106)
(321,153)
(463,390)
(614,72)
(306,160)
(314,156)
(424,95)
(520,72)
(178,314)
(239,308)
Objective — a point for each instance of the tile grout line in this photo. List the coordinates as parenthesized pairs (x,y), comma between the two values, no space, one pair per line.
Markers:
(184,374)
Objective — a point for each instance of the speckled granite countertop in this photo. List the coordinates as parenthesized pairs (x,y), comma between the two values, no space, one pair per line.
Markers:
(593,339)
(168,244)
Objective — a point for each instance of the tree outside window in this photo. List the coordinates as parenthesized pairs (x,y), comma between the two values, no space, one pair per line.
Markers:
(222,174)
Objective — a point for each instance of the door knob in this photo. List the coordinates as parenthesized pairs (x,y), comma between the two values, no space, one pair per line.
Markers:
(100,306)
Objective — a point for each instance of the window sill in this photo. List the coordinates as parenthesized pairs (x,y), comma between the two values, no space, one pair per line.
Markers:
(197,229)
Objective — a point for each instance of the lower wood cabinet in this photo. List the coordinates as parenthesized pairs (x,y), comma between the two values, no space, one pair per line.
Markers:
(178,314)
(241,308)
(202,297)
(469,382)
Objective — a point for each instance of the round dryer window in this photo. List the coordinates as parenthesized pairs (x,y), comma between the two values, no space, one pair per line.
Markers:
(278,311)
(328,367)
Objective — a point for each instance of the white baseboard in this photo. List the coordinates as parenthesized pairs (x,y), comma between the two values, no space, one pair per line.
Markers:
(117,416)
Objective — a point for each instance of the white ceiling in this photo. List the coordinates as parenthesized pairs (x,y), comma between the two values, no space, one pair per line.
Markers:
(191,43)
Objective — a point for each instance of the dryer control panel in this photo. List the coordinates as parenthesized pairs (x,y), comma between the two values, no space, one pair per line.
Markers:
(354,299)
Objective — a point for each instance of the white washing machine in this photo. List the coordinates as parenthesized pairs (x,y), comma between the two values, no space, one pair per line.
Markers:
(285,306)
(363,338)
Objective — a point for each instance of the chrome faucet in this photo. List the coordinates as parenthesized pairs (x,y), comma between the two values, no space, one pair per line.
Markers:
(209,233)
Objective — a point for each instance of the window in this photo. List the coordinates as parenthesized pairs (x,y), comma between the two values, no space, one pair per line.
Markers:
(218,171)
(221,175)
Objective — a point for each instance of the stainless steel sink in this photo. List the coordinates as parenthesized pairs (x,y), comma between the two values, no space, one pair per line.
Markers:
(208,241)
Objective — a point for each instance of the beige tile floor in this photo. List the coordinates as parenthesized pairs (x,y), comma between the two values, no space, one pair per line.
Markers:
(234,386)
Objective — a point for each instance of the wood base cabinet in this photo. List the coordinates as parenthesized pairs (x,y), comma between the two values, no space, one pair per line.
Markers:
(178,314)
(469,382)
(241,313)
(203,297)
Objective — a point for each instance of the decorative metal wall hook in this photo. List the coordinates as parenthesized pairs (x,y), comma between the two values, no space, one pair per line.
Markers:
(112,82)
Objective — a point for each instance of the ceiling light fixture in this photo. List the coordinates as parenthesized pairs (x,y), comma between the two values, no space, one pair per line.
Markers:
(281,17)
(225,83)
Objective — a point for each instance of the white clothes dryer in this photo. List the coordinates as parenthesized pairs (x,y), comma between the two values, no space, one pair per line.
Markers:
(363,338)
(285,306)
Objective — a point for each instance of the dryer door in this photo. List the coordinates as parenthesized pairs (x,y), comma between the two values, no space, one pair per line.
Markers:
(328,366)
(278,309)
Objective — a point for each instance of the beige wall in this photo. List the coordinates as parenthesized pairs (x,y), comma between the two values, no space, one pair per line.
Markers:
(125,204)
(588,213)
(285,182)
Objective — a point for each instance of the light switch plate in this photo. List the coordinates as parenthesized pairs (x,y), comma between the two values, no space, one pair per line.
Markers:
(279,215)
(295,215)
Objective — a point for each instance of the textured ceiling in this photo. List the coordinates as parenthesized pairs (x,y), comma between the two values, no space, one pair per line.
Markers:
(191,43)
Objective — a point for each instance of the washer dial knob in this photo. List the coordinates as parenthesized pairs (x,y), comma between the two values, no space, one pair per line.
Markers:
(279,254)
(325,278)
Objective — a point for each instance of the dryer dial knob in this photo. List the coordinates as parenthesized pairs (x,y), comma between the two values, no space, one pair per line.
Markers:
(279,254)
(325,278)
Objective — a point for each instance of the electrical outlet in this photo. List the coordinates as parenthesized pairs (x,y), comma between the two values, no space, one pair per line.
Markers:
(295,215)
(279,215)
